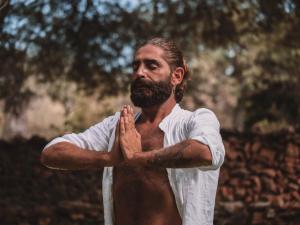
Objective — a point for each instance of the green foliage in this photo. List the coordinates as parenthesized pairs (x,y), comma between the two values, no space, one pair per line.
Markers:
(91,43)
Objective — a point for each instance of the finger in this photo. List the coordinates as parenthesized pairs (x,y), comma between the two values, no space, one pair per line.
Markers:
(131,118)
(126,119)
(124,115)
(130,109)
(122,126)
(122,110)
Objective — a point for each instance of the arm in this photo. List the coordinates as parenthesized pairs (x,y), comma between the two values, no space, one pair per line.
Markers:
(65,155)
(186,154)
(75,151)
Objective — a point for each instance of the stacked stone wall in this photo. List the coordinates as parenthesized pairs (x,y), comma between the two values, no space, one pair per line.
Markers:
(259,184)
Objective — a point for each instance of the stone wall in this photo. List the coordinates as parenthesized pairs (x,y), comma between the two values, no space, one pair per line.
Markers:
(259,184)
(259,181)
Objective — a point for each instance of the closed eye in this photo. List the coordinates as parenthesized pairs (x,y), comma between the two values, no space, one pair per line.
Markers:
(135,65)
(151,64)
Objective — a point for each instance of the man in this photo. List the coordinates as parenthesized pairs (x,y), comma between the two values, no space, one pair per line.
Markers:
(161,165)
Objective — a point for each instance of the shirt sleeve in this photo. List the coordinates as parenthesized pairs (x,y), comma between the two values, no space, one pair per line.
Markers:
(94,138)
(204,127)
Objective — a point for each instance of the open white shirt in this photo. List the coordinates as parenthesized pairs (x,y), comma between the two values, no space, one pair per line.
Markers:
(194,188)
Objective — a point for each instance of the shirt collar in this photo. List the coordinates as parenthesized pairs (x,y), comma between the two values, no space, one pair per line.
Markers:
(163,124)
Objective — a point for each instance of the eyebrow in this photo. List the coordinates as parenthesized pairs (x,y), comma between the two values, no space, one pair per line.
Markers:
(154,61)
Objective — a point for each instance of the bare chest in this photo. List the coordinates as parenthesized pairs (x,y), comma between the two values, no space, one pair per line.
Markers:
(142,195)
(128,175)
(152,138)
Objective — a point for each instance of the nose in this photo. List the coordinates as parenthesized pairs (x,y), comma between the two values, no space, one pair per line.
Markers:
(139,72)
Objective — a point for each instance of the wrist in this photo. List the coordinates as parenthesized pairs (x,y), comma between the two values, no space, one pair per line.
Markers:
(139,158)
(108,159)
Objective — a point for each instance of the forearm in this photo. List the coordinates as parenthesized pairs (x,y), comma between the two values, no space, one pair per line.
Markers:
(65,155)
(186,154)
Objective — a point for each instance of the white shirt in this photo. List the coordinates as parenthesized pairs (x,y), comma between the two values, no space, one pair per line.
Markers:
(194,188)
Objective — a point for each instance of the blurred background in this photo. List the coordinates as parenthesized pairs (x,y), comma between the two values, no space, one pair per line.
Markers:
(65,65)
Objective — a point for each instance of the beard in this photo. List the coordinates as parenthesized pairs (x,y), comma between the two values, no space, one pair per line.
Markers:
(145,93)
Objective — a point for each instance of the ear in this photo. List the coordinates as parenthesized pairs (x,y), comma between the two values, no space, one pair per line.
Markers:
(177,76)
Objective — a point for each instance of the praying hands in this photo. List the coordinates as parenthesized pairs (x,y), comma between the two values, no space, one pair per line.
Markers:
(127,138)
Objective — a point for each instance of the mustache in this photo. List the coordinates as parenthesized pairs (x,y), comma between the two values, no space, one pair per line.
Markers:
(141,83)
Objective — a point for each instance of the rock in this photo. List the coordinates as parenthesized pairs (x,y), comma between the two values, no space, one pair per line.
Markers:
(260,205)
(227,193)
(234,182)
(241,173)
(278,201)
(259,183)
(293,151)
(240,192)
(294,205)
(293,186)
(269,172)
(257,168)
(77,216)
(256,147)
(256,183)
(233,155)
(232,207)
(289,165)
(258,218)
(271,213)
(76,205)
(267,156)
(45,221)
(269,184)
(296,196)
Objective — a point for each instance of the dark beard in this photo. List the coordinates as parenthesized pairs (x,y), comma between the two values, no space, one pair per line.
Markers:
(145,94)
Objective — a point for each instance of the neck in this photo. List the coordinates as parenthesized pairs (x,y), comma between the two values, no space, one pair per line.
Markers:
(155,114)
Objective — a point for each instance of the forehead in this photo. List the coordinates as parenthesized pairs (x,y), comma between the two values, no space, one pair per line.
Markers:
(150,52)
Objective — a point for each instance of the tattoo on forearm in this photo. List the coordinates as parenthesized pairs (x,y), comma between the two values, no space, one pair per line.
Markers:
(174,157)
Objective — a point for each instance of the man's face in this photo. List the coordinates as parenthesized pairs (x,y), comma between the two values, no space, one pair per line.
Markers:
(151,79)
